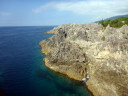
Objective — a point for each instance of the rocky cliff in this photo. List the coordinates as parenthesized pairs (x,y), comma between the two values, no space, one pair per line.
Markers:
(76,49)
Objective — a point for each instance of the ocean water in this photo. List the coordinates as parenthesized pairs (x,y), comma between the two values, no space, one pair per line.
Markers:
(22,70)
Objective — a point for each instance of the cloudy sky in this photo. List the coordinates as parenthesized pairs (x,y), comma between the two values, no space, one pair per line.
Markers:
(56,12)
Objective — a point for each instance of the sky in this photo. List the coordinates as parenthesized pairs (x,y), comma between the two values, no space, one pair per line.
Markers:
(57,12)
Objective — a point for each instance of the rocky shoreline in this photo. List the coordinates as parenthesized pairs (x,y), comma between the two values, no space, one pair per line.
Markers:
(78,50)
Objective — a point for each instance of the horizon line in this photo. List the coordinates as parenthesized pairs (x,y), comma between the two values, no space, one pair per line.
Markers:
(28,25)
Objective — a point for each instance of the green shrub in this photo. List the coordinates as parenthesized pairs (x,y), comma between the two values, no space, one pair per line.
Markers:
(116,23)
(103,38)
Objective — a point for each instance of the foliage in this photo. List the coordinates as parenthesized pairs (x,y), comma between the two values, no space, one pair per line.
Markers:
(103,38)
(116,23)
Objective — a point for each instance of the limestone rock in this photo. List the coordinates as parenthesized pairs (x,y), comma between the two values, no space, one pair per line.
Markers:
(75,49)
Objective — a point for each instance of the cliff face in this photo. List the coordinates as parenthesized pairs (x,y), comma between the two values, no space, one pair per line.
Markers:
(76,49)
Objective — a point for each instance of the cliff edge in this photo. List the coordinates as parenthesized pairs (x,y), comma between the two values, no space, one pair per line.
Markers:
(78,50)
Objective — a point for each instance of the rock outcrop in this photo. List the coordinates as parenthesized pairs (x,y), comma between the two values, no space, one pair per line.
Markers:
(75,49)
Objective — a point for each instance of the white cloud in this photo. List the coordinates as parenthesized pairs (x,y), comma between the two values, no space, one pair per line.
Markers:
(45,7)
(94,8)
(5,13)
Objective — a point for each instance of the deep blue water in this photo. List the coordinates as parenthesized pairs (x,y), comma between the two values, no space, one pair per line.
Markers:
(22,70)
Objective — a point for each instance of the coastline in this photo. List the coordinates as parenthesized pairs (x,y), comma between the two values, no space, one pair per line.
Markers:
(65,74)
(48,65)
(76,49)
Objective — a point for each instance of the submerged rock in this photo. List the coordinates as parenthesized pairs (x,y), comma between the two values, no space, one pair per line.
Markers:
(76,49)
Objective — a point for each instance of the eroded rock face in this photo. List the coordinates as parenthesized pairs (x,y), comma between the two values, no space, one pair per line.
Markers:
(75,49)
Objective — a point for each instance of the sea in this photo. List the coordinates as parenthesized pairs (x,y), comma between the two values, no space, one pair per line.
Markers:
(22,70)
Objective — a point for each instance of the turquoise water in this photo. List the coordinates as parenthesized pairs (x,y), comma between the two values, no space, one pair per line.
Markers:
(22,70)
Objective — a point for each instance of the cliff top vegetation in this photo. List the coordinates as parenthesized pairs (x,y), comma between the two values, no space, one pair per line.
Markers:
(116,23)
